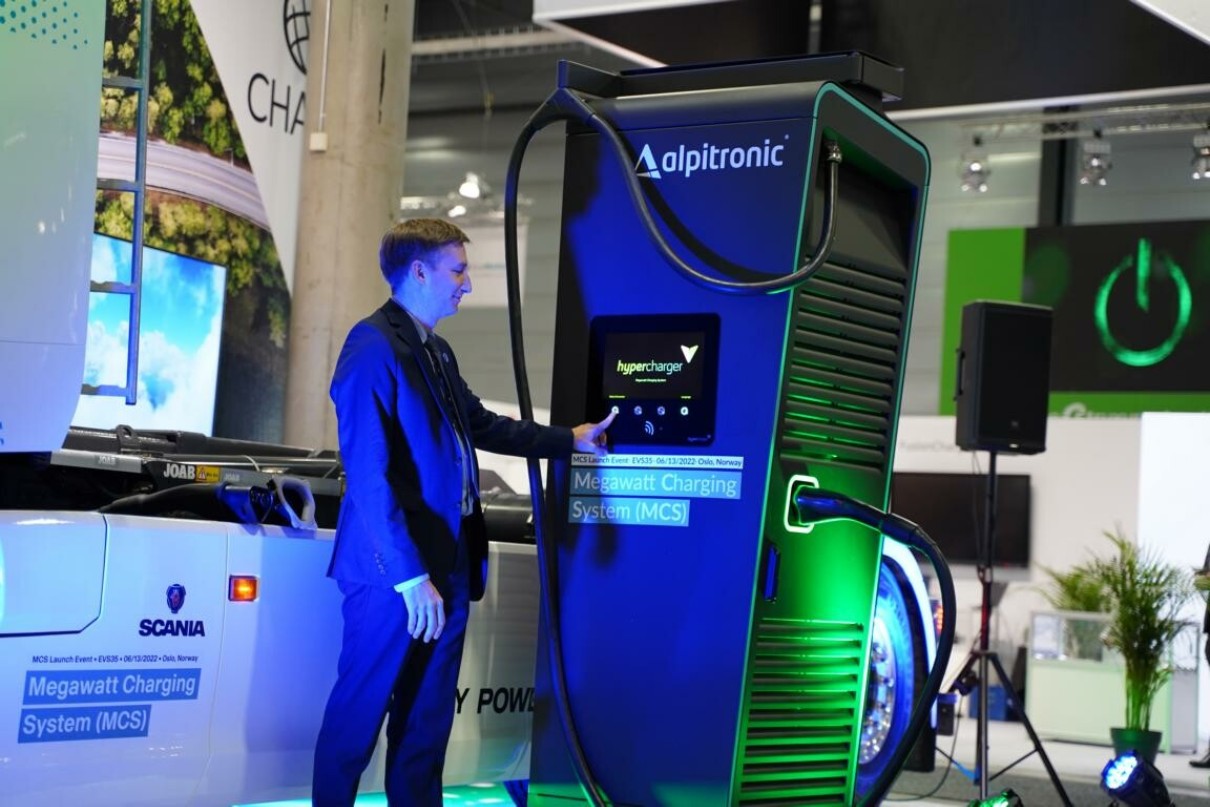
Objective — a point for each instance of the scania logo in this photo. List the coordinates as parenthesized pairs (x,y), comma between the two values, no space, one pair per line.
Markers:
(172,627)
(688,160)
(176,597)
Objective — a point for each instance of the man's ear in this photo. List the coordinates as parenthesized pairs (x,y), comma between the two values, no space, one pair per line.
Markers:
(419,270)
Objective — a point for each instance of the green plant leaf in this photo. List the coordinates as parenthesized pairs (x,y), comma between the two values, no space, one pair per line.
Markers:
(1146,596)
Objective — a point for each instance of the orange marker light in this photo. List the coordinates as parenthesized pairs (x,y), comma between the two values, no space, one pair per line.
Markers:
(242,588)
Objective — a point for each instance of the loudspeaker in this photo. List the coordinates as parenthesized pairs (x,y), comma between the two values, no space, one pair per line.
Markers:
(1003,377)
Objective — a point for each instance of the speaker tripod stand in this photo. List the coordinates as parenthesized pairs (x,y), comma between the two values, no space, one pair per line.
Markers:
(976,667)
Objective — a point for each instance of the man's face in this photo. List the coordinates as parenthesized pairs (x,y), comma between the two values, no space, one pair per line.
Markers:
(446,280)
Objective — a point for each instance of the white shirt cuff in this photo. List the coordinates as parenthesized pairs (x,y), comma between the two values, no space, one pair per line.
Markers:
(412,583)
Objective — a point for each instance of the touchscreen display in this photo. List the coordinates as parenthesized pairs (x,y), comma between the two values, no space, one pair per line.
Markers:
(653,365)
(660,373)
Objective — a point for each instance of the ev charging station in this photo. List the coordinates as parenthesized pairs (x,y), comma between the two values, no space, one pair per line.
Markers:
(714,622)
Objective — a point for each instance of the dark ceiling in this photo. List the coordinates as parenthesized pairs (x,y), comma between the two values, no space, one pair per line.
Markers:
(954,52)
(504,77)
(443,18)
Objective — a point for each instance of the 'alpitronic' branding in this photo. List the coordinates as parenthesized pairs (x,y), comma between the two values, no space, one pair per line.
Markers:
(687,160)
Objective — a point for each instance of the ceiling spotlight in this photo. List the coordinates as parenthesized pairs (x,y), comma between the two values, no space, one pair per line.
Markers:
(471,200)
(1201,156)
(1095,161)
(975,170)
(472,187)
(1133,782)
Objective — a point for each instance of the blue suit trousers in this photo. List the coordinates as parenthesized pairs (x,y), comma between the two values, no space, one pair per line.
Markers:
(384,673)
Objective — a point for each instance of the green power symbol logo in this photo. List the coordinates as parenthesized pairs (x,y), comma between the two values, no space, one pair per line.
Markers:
(1143,264)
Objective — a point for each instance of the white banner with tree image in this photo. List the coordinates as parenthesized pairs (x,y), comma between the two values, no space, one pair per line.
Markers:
(260,50)
(224,146)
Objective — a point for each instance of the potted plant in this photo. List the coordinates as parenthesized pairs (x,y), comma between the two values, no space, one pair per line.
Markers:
(1079,589)
(1146,598)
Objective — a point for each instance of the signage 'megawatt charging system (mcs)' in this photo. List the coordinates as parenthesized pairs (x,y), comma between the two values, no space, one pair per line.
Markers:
(738,259)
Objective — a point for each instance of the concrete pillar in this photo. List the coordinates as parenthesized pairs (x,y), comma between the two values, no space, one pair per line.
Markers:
(349,193)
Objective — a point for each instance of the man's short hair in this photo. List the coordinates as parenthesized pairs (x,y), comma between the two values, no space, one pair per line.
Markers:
(414,239)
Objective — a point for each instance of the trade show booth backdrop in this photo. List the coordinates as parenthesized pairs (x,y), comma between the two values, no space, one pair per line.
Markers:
(1130,301)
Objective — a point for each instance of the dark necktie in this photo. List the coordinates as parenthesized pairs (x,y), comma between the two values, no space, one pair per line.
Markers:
(464,446)
(443,381)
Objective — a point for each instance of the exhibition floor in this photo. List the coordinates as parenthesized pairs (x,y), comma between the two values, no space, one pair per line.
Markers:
(1078,765)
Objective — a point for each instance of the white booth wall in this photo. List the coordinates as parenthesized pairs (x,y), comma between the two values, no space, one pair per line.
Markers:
(1145,476)
(1085,483)
(1174,483)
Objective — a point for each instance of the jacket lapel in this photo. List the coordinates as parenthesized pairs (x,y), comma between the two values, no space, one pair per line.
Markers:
(407,331)
(442,351)
(463,425)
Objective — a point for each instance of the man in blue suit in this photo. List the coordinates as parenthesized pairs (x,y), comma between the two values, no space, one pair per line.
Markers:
(411,550)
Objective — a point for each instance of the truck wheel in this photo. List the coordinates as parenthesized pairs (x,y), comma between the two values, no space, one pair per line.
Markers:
(897,667)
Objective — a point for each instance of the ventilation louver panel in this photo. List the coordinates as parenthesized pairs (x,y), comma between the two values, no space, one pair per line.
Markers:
(802,712)
(842,381)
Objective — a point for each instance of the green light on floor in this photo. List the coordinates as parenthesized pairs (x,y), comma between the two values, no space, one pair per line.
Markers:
(461,796)
(1006,798)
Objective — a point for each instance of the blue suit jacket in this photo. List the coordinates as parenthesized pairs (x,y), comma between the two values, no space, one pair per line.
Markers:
(401,515)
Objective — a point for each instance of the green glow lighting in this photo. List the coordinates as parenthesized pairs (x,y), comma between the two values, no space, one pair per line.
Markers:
(1005,798)
(488,793)
(1142,267)
(804,416)
(1142,263)
(830,404)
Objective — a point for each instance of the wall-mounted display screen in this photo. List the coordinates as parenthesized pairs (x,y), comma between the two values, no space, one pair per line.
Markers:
(950,508)
(181,320)
(660,373)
